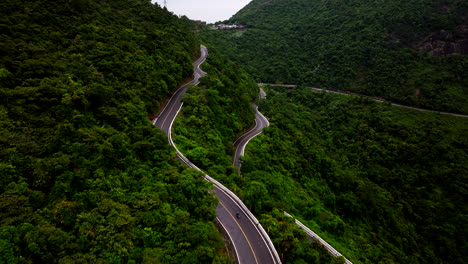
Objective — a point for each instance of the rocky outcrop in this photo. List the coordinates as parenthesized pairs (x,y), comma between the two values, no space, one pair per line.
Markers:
(446,43)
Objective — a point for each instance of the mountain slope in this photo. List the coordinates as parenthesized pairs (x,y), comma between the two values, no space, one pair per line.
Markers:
(380,183)
(380,48)
(84,176)
(214,113)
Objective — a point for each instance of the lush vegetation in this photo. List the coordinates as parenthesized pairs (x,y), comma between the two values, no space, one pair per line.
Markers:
(215,112)
(366,46)
(382,184)
(84,176)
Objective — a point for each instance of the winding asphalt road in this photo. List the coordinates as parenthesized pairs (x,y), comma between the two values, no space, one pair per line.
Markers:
(260,123)
(251,243)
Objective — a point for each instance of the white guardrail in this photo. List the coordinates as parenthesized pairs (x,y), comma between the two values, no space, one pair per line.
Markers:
(232,196)
(309,232)
(318,239)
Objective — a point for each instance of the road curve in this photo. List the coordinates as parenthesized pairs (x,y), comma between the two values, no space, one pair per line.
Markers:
(377,99)
(169,113)
(260,123)
(242,141)
(251,242)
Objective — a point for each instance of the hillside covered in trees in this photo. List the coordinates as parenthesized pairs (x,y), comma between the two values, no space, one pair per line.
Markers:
(381,184)
(217,111)
(413,52)
(84,176)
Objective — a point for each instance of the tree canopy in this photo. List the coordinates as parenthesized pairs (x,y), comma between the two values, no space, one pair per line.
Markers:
(413,52)
(380,183)
(84,176)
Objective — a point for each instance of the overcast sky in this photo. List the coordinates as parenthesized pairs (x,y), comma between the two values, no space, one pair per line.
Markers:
(206,10)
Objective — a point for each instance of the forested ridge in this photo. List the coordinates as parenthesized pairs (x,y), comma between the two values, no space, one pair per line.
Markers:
(379,183)
(413,52)
(217,111)
(84,176)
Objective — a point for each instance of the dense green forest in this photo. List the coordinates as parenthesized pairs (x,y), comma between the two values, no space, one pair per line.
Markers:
(214,113)
(404,51)
(84,176)
(380,183)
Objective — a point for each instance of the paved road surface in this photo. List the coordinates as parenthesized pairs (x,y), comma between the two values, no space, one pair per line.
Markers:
(316,238)
(260,123)
(242,141)
(251,245)
(169,113)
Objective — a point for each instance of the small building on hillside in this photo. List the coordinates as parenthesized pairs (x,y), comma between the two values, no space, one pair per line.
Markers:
(226,27)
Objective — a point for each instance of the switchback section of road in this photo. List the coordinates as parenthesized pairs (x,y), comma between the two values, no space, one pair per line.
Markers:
(242,141)
(240,144)
(377,99)
(250,241)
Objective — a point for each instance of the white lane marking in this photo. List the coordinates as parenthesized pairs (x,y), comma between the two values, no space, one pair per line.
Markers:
(242,230)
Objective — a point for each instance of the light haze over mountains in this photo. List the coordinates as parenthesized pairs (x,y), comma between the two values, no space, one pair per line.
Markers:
(207,10)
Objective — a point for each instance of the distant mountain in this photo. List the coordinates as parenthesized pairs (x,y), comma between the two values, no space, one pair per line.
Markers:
(408,51)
